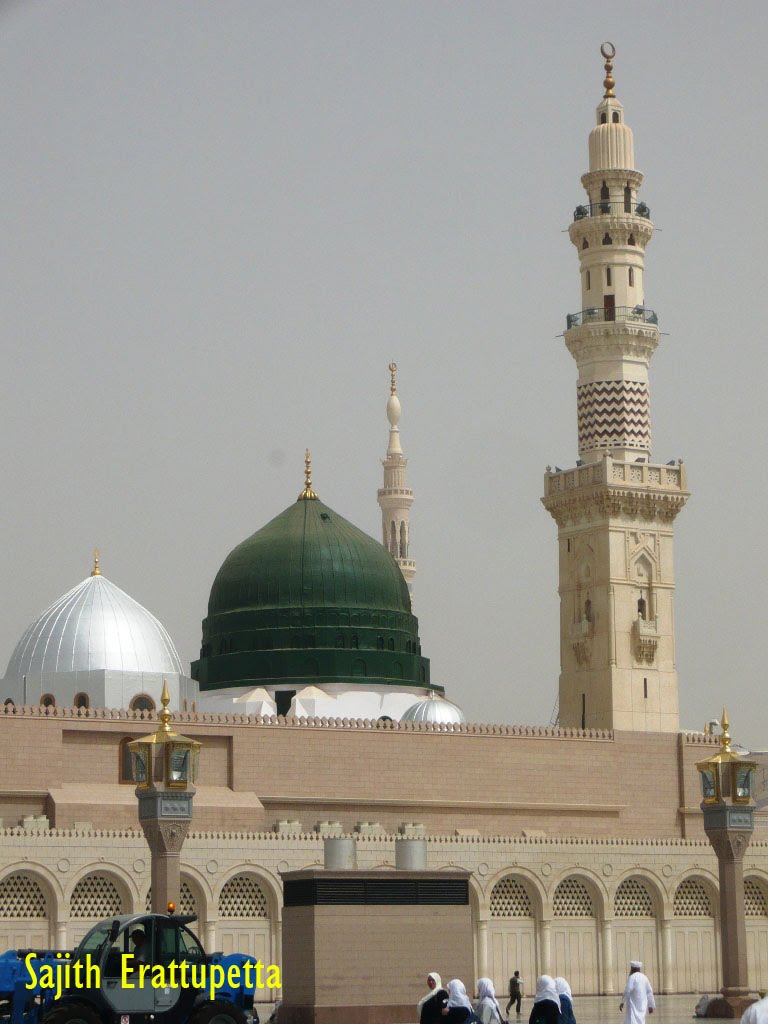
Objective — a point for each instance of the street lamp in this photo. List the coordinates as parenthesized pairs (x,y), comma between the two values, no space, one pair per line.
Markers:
(165,769)
(726,787)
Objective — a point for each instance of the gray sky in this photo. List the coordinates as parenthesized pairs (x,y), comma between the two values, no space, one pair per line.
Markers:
(221,220)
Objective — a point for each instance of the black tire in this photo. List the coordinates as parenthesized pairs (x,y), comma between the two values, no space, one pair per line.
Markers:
(218,1011)
(72,1013)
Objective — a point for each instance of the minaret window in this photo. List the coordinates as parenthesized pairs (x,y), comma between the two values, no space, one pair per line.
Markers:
(403,542)
(605,195)
(608,276)
(589,280)
(631,277)
(588,610)
(585,244)
(645,688)
(641,608)
(615,117)
(583,711)
(603,118)
(627,199)
(631,240)
(607,240)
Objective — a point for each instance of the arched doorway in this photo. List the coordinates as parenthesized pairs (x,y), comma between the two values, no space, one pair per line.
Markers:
(634,931)
(756,912)
(24,913)
(511,933)
(94,897)
(574,936)
(694,950)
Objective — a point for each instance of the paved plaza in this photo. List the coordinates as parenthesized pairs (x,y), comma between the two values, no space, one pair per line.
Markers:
(673,1009)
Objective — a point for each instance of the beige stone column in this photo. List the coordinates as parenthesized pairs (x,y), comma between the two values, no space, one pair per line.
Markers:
(482,949)
(165,839)
(730,848)
(545,946)
(210,936)
(668,979)
(607,952)
(60,928)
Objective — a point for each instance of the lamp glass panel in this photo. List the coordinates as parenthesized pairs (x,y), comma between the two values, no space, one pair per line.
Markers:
(139,758)
(178,769)
(708,783)
(743,783)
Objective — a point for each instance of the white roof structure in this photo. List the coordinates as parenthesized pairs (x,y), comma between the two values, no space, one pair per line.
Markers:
(434,709)
(95,626)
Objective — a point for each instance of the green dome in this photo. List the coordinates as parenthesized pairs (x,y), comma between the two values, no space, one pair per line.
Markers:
(309,598)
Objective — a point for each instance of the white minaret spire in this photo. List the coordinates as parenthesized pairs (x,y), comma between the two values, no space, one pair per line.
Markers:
(615,510)
(395,498)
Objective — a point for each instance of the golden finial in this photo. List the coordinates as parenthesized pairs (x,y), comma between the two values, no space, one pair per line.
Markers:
(393,382)
(307,494)
(608,50)
(725,736)
(95,571)
(165,715)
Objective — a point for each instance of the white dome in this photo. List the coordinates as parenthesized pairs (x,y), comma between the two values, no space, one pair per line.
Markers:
(94,626)
(434,709)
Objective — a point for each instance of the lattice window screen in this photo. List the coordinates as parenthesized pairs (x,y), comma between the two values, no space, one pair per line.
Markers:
(20,897)
(510,898)
(187,903)
(633,899)
(692,900)
(572,899)
(242,896)
(754,899)
(95,896)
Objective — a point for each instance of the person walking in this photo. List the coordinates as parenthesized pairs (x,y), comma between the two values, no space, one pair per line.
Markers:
(429,1006)
(638,995)
(487,1007)
(515,993)
(565,996)
(546,1004)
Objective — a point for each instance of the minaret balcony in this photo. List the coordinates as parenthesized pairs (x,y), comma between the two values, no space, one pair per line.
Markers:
(608,314)
(645,637)
(612,207)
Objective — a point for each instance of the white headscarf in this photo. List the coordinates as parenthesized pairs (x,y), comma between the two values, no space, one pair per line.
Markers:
(486,991)
(438,985)
(563,988)
(545,989)
(457,995)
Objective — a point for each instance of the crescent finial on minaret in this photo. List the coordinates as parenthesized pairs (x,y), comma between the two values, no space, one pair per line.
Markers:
(96,570)
(393,381)
(608,51)
(307,494)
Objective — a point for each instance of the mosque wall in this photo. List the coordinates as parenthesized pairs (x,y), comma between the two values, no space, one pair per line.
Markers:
(577,907)
(493,780)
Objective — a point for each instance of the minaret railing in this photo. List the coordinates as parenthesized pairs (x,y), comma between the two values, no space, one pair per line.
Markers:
(612,206)
(607,314)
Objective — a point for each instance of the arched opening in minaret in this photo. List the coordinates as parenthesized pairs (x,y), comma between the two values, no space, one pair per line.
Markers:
(603,118)
(642,608)
(588,610)
(631,277)
(585,244)
(403,541)
(627,199)
(605,195)
(631,240)
(616,118)
(608,276)
(607,240)
(393,539)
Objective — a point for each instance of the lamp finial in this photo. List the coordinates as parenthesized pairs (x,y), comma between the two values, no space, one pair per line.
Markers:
(725,736)
(96,570)
(608,51)
(165,715)
(307,494)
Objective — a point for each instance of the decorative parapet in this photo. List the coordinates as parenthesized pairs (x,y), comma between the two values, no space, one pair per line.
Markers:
(645,639)
(612,487)
(279,721)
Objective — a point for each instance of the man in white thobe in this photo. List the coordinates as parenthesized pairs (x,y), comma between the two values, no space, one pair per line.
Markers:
(638,995)
(757,1013)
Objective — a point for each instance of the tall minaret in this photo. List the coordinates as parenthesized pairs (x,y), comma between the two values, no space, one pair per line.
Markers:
(615,510)
(395,498)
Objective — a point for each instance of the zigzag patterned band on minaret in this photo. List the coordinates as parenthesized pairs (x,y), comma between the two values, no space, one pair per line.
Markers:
(614,413)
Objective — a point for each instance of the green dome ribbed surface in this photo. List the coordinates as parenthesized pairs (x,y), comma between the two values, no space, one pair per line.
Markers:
(309,598)
(309,556)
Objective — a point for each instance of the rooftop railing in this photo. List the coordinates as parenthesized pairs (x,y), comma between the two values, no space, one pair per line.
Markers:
(611,206)
(607,314)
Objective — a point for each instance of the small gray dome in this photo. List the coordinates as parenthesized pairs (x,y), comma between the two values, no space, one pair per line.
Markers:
(434,709)
(94,626)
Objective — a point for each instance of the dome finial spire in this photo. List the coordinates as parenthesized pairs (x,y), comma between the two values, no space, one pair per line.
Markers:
(608,51)
(165,715)
(393,380)
(307,494)
(96,570)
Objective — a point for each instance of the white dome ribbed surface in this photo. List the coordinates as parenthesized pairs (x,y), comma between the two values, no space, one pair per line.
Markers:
(94,626)
(434,709)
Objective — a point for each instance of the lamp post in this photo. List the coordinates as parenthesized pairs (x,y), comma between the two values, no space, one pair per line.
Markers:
(726,785)
(164,769)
